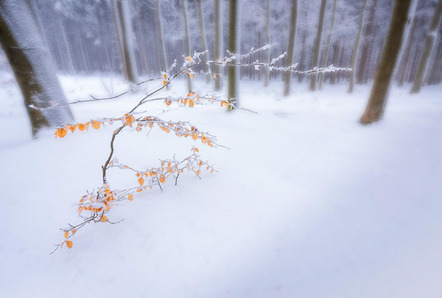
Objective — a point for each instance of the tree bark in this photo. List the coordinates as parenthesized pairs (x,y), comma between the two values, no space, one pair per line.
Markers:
(160,36)
(291,47)
(318,44)
(368,37)
(267,38)
(327,49)
(126,39)
(33,70)
(429,41)
(187,41)
(218,44)
(378,96)
(402,70)
(203,41)
(356,48)
(232,92)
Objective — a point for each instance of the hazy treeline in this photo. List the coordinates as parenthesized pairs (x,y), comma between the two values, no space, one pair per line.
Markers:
(82,37)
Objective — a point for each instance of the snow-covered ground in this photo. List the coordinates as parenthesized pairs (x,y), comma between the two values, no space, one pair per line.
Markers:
(305,203)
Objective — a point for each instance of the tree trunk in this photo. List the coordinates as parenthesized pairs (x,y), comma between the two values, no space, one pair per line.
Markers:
(187,41)
(291,47)
(160,36)
(203,41)
(368,38)
(33,70)
(318,44)
(429,41)
(327,49)
(356,47)
(218,44)
(336,48)
(232,92)
(126,39)
(376,103)
(402,70)
(302,58)
(267,38)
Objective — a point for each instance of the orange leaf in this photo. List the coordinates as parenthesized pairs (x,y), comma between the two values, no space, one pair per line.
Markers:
(141,181)
(191,104)
(73,127)
(73,231)
(190,59)
(96,124)
(131,197)
(66,235)
(104,218)
(81,126)
(162,178)
(195,136)
(69,243)
(224,103)
(61,132)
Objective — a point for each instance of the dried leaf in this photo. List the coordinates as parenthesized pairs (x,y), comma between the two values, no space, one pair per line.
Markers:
(61,132)
(69,243)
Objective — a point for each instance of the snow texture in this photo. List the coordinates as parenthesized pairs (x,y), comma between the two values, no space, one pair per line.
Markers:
(306,203)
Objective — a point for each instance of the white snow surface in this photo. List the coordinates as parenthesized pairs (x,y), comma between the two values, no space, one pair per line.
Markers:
(306,202)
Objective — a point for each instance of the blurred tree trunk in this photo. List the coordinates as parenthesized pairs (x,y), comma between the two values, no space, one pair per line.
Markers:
(232,92)
(267,52)
(429,41)
(317,44)
(361,76)
(218,44)
(203,41)
(187,41)
(33,70)
(356,48)
(161,37)
(302,58)
(436,71)
(378,96)
(291,47)
(125,37)
(336,48)
(327,48)
(402,70)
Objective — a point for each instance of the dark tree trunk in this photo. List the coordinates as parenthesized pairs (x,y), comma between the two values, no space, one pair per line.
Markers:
(376,103)
(33,70)
(232,93)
